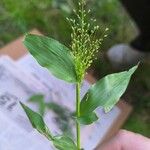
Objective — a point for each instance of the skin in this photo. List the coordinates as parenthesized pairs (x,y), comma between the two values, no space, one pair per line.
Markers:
(126,140)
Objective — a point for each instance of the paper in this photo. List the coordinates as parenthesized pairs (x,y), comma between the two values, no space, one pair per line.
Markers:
(15,130)
(18,82)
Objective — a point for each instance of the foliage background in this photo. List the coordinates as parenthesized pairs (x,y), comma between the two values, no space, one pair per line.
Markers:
(49,16)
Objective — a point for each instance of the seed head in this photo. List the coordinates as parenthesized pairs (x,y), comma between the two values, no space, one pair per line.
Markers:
(85,44)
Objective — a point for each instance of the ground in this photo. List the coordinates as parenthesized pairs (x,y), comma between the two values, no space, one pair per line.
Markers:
(49,16)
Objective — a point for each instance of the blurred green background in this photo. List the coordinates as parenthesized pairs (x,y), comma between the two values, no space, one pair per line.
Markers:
(49,16)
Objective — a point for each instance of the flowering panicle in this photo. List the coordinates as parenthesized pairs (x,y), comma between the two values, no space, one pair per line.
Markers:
(84,42)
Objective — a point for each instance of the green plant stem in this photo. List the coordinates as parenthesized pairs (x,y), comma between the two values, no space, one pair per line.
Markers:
(78,114)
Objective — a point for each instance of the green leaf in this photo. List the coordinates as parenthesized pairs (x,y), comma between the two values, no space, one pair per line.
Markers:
(37,122)
(51,54)
(88,119)
(60,142)
(64,143)
(106,92)
(39,99)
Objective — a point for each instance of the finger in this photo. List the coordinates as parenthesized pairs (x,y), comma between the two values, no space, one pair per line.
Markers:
(127,140)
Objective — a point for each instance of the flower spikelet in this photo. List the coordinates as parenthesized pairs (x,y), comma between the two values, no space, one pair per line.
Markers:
(85,44)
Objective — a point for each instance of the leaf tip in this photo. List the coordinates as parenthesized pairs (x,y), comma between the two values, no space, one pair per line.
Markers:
(133,69)
(21,104)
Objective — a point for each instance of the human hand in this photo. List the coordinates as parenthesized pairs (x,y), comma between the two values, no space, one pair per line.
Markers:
(126,140)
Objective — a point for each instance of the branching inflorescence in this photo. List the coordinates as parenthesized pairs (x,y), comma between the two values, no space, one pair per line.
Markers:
(85,43)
